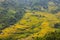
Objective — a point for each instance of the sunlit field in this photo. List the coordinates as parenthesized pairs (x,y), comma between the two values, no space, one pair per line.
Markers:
(29,19)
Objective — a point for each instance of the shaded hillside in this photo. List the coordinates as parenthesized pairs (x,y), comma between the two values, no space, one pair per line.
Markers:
(9,13)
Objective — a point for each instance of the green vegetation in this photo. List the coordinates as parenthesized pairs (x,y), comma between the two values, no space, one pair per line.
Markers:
(30,20)
(9,14)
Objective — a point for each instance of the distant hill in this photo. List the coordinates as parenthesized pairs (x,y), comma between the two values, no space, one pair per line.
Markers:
(1,0)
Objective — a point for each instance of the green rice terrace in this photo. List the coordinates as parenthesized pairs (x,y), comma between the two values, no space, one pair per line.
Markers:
(29,19)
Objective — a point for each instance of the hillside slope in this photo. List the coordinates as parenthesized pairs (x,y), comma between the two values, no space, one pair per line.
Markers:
(29,19)
(33,24)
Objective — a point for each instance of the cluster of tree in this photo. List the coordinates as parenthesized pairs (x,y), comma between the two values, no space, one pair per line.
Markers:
(10,13)
(39,5)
